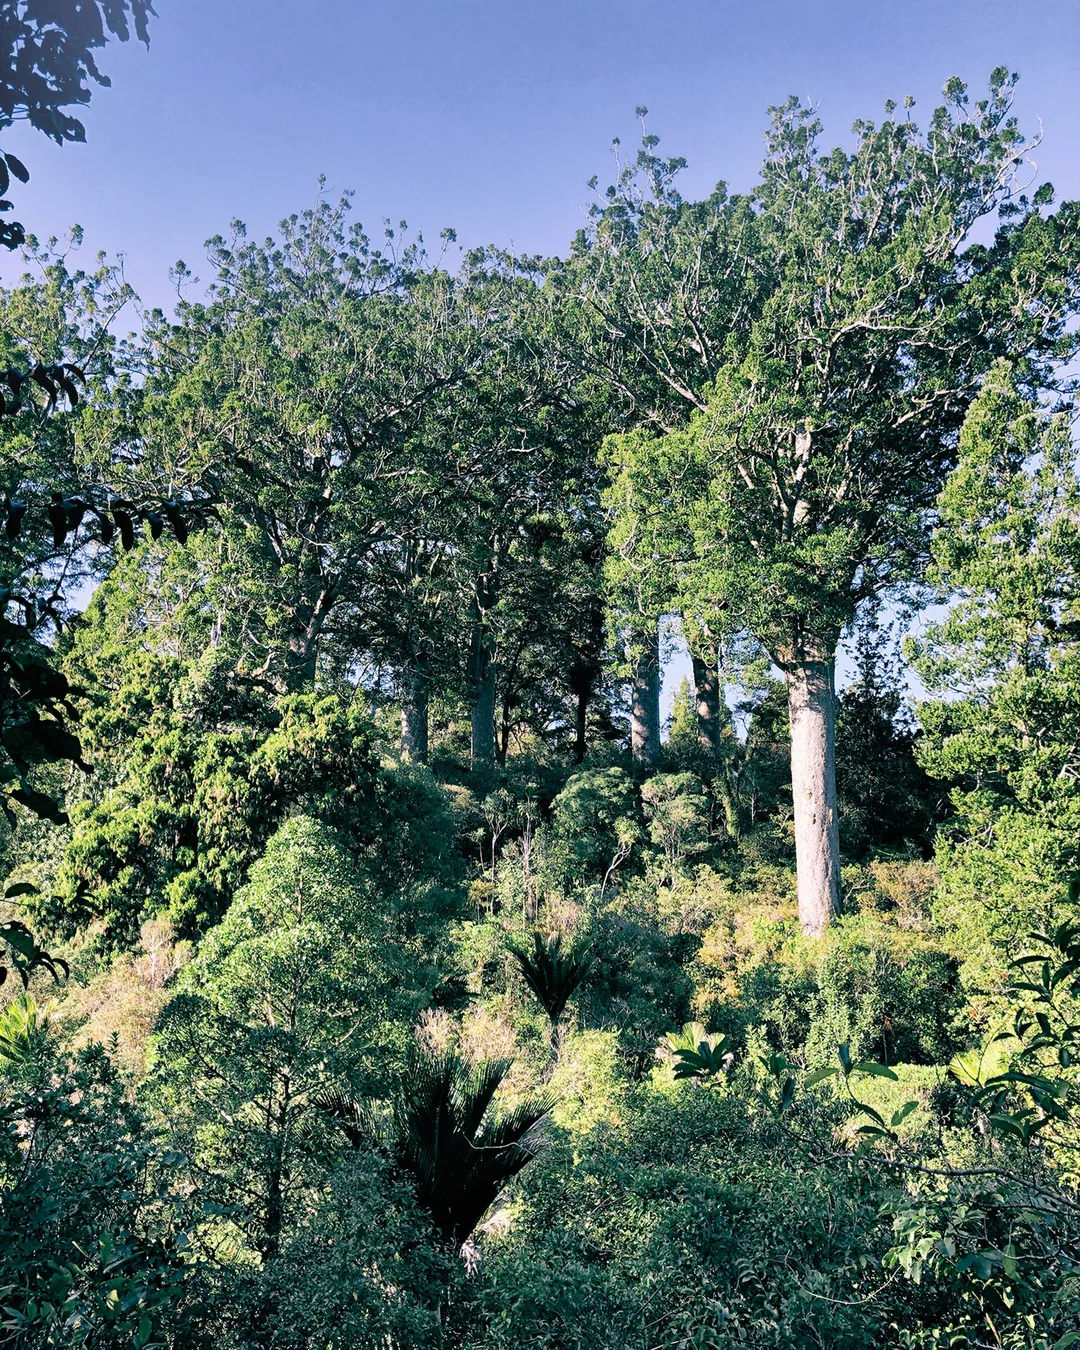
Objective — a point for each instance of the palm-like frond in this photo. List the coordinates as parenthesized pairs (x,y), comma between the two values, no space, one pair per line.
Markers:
(445,1135)
(696,1053)
(459,1154)
(351,1117)
(553,971)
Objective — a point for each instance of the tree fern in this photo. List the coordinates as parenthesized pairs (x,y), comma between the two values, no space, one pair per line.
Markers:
(553,972)
(442,1131)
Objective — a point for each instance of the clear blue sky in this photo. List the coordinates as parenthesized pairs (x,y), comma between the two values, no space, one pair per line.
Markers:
(491,117)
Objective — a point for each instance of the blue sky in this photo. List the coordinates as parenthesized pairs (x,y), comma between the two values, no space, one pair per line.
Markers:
(490,116)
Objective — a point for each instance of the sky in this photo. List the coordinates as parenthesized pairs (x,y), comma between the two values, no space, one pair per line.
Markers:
(490,116)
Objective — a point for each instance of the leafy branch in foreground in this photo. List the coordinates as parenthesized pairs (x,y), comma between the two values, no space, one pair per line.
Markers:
(23,951)
(46,61)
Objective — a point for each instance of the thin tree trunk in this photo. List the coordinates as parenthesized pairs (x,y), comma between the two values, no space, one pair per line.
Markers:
(414,713)
(482,685)
(582,678)
(645,699)
(584,672)
(812,709)
(582,722)
(707,697)
(709,692)
(481,671)
(502,748)
(275,1197)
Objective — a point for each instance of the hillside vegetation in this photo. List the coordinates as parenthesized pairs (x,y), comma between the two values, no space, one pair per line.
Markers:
(380,970)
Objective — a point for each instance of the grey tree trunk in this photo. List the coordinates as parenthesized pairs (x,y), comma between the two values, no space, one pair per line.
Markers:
(581,722)
(812,709)
(414,713)
(482,685)
(707,697)
(708,694)
(645,699)
(480,675)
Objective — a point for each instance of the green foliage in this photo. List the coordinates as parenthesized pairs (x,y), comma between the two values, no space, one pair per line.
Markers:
(595,820)
(639,982)
(208,769)
(892,1000)
(765,783)
(678,817)
(362,1270)
(22,949)
(807,382)
(818,353)
(460,1152)
(1006,657)
(342,1125)
(46,466)
(887,800)
(290,996)
(694,1215)
(24,1031)
(90,1249)
(682,729)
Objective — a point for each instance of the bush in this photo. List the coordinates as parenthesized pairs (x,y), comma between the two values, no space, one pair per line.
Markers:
(364,1270)
(893,998)
(91,1251)
(639,983)
(595,811)
(697,1218)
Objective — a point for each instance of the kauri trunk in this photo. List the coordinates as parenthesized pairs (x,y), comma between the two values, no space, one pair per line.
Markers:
(482,686)
(581,724)
(645,699)
(414,714)
(707,699)
(582,679)
(812,709)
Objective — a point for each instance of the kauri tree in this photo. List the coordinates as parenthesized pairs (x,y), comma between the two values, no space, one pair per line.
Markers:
(820,419)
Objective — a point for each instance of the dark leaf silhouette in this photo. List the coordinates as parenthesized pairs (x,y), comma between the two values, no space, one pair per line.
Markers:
(444,1132)
(553,971)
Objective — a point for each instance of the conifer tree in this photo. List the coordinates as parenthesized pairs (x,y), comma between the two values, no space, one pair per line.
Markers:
(807,353)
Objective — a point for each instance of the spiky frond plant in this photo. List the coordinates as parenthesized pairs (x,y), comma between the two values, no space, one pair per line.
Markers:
(553,971)
(354,1119)
(695,1053)
(444,1132)
(25,1029)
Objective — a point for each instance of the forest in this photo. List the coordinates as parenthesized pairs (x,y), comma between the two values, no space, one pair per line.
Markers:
(380,968)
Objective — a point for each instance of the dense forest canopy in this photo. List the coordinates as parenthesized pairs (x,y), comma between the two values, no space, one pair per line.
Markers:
(380,969)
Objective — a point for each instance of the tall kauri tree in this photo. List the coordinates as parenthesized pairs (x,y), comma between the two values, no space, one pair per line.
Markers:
(825,336)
